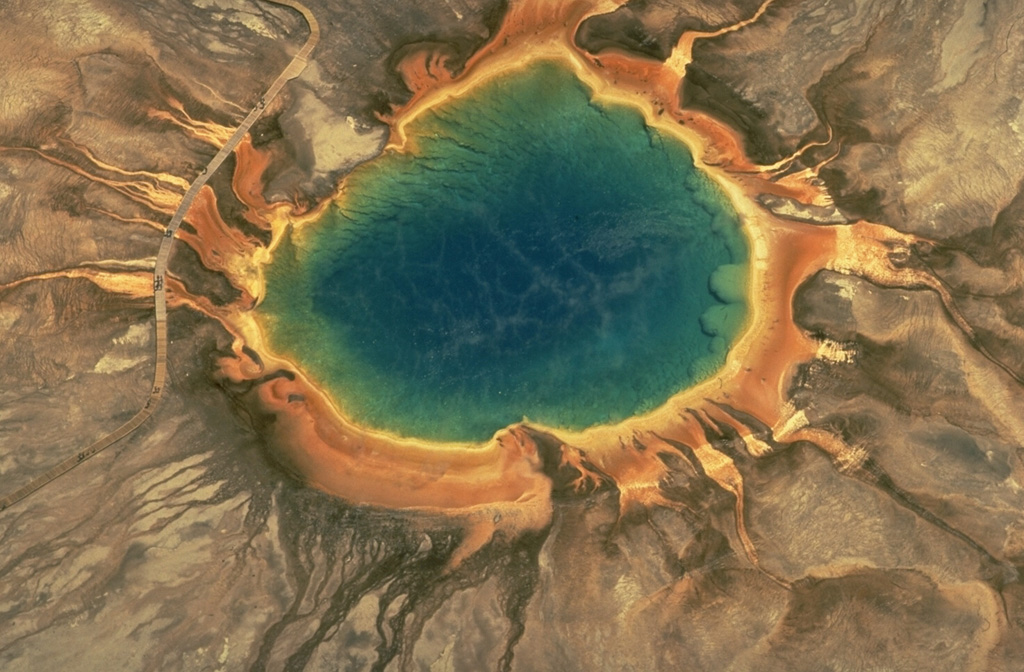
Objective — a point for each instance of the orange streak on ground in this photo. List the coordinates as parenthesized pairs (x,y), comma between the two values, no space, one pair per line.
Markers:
(173,180)
(424,68)
(131,283)
(128,282)
(247,181)
(787,160)
(682,54)
(221,247)
(153,196)
(178,296)
(206,131)
(127,220)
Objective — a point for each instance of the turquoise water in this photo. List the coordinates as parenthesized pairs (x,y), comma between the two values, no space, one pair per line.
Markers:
(536,255)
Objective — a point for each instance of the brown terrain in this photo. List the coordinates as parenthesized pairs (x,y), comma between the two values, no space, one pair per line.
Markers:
(846,494)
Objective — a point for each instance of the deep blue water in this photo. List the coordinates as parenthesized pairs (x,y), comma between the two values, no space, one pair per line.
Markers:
(535,255)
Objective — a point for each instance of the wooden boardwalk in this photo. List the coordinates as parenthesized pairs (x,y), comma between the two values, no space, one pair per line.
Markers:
(294,68)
